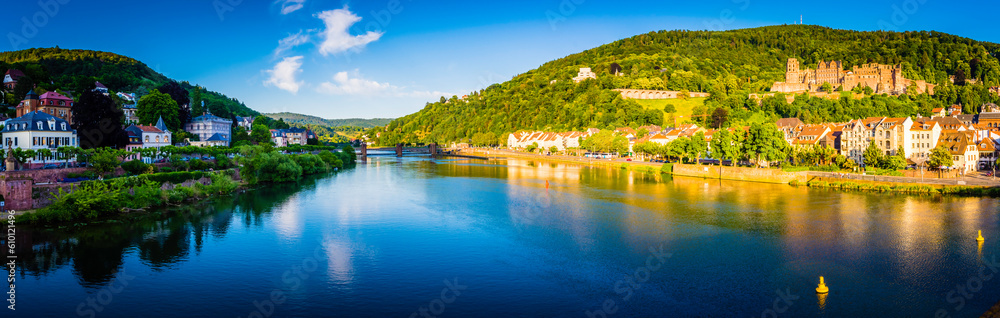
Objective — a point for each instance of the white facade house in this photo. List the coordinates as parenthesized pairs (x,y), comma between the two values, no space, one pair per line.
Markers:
(211,130)
(38,130)
(152,136)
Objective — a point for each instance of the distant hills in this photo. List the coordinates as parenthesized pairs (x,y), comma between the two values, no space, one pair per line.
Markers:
(729,65)
(300,119)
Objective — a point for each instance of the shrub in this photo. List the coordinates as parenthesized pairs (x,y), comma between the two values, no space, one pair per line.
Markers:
(667,168)
(794,183)
(351,156)
(331,159)
(311,164)
(175,177)
(271,167)
(198,165)
(177,162)
(222,162)
(136,167)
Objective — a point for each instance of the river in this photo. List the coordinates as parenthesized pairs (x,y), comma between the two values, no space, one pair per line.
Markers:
(471,238)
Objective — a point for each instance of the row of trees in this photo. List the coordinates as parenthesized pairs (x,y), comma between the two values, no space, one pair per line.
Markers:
(761,144)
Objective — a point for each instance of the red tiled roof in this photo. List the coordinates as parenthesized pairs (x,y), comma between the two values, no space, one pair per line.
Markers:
(54,95)
(151,129)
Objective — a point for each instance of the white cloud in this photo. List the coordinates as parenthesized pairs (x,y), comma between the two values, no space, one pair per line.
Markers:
(345,84)
(290,42)
(289,6)
(336,37)
(283,74)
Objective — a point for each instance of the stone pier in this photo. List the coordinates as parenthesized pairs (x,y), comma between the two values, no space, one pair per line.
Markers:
(364,153)
(399,150)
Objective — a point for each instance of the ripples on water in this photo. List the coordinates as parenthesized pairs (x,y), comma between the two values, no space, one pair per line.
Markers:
(519,238)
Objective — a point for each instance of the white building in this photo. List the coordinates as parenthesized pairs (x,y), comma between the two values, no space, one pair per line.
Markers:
(584,74)
(38,130)
(211,130)
(150,136)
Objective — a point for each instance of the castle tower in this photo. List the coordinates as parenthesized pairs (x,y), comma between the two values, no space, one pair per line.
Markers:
(792,71)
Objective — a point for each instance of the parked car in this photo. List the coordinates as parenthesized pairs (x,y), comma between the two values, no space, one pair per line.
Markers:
(629,159)
(51,166)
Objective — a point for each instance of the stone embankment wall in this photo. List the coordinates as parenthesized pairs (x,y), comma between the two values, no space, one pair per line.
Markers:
(739,173)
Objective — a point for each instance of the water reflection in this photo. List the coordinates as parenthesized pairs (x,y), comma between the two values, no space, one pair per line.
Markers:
(563,233)
(96,251)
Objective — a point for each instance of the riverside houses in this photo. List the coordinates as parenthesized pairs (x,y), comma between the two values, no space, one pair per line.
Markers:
(37,130)
(545,140)
(889,134)
(141,136)
(964,151)
(211,130)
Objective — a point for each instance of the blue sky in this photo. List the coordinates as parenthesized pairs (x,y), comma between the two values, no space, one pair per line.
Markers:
(341,59)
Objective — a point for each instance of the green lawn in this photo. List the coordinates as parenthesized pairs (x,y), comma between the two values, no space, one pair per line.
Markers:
(683,107)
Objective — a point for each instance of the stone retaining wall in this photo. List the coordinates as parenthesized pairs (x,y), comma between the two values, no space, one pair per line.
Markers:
(739,173)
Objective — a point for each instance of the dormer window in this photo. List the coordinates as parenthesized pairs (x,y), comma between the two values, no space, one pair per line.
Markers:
(63,126)
(39,125)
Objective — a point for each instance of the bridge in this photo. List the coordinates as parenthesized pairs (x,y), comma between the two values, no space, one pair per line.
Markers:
(398,151)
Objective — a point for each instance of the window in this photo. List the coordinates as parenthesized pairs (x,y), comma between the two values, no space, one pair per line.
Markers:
(147,138)
(39,124)
(15,141)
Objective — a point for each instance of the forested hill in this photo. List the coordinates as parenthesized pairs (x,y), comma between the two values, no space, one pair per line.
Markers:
(73,70)
(294,118)
(727,64)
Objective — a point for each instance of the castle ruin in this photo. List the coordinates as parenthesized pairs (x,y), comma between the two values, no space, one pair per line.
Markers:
(881,78)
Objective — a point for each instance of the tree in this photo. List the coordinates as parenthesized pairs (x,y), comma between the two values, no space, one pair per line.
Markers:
(960,77)
(531,147)
(24,85)
(764,143)
(352,156)
(615,69)
(104,160)
(697,146)
(98,121)
(873,156)
(719,117)
(826,87)
(641,132)
(553,149)
(669,108)
(196,100)
(181,97)
(897,161)
(44,153)
(155,105)
(241,135)
(725,145)
(940,157)
(68,152)
(260,134)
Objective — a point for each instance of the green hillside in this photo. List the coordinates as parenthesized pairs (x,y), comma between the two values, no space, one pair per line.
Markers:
(73,70)
(727,64)
(293,118)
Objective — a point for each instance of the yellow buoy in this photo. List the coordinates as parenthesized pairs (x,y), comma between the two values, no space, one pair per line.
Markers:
(980,238)
(822,289)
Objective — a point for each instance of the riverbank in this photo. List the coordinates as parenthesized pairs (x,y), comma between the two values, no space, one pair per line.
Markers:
(837,181)
(99,200)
